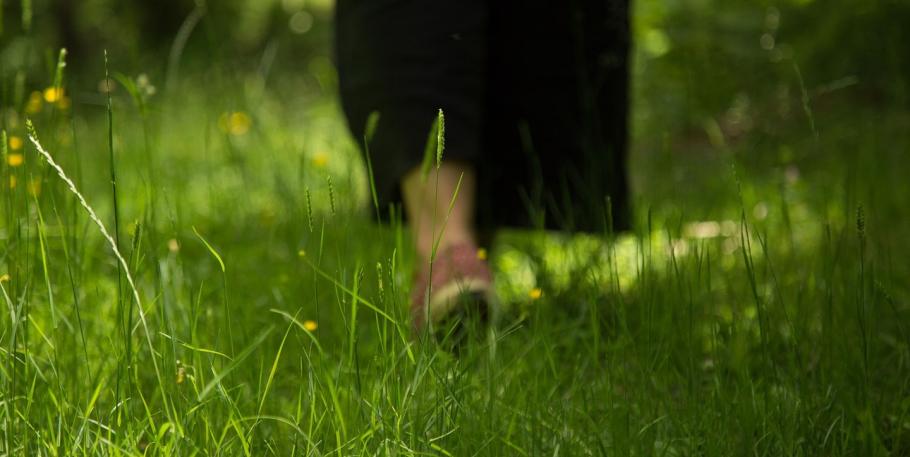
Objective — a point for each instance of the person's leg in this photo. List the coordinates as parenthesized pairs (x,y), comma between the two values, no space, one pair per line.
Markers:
(454,280)
(556,115)
(427,201)
(407,60)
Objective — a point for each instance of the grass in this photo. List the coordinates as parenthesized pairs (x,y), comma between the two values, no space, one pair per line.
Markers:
(758,308)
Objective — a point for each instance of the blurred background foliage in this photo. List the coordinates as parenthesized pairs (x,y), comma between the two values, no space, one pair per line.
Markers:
(149,35)
(739,63)
(705,67)
(702,53)
(769,87)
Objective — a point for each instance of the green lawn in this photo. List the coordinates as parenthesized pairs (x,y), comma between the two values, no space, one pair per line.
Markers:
(760,306)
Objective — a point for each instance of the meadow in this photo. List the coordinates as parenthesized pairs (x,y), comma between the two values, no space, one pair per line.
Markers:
(188,267)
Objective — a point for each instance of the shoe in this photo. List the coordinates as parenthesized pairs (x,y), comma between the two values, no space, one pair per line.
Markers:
(461,283)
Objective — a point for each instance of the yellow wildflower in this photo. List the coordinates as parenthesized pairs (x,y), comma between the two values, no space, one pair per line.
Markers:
(173,245)
(301,253)
(320,159)
(4,278)
(535,293)
(236,123)
(12,182)
(34,103)
(15,143)
(482,254)
(15,160)
(53,94)
(310,325)
(240,123)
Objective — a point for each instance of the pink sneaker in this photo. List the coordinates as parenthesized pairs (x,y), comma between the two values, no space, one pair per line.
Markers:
(460,278)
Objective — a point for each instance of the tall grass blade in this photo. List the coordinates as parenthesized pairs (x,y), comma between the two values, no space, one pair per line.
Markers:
(33,137)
